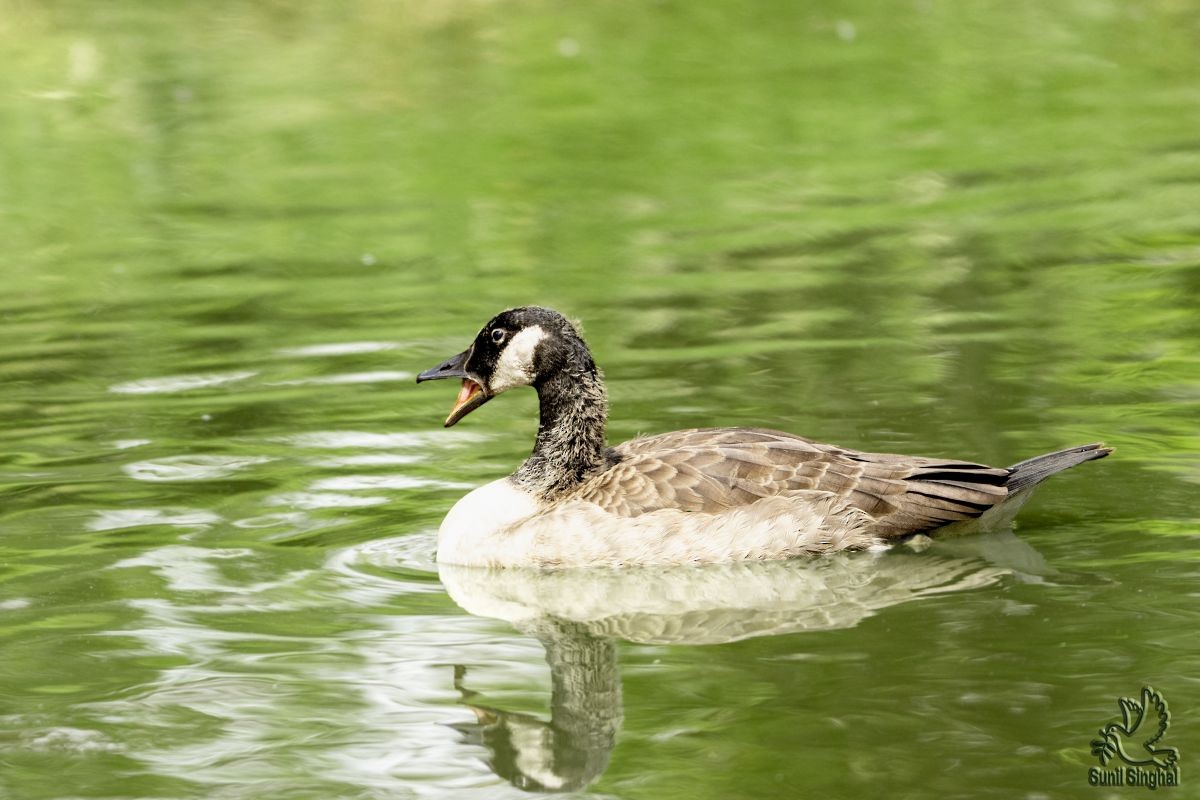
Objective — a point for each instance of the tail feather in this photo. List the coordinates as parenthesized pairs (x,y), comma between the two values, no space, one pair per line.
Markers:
(1035,470)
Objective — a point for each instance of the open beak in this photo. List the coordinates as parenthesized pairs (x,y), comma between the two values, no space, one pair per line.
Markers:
(470,397)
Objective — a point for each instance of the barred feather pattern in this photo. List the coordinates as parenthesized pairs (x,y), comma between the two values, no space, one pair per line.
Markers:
(709,470)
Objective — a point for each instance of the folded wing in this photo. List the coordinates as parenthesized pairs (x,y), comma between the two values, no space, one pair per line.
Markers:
(711,470)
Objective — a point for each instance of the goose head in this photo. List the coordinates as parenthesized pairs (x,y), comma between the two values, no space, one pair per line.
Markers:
(518,347)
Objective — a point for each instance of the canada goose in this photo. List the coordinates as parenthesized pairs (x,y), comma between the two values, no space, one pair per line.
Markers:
(705,495)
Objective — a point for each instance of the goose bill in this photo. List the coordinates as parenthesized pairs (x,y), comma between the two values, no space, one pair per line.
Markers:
(453,367)
(470,397)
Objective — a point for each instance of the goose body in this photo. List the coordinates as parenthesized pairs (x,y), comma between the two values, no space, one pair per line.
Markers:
(700,496)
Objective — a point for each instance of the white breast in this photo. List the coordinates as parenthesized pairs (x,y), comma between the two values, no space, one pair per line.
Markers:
(474,532)
(501,525)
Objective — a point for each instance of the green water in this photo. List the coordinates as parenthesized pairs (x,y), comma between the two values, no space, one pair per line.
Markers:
(233,232)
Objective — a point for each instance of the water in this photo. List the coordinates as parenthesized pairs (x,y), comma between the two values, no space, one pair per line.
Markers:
(233,236)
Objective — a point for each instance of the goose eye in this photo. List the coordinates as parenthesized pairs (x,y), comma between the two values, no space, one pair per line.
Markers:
(498,335)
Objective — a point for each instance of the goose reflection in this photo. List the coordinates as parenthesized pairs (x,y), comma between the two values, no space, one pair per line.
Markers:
(578,615)
(572,749)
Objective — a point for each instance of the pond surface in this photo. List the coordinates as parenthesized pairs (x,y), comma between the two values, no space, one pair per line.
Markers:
(233,234)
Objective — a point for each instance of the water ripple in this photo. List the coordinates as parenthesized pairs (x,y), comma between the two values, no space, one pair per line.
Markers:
(379,376)
(179,383)
(310,501)
(195,569)
(350,483)
(118,519)
(368,460)
(360,439)
(69,740)
(336,349)
(127,444)
(413,551)
(190,468)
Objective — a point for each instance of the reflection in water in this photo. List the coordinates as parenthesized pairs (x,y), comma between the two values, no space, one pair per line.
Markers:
(578,615)
(572,749)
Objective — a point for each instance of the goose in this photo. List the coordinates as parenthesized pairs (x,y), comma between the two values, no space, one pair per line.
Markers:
(697,496)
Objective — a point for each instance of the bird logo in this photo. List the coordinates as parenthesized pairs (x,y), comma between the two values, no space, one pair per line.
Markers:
(1135,738)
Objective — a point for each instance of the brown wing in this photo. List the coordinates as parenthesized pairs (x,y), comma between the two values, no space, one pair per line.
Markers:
(708,470)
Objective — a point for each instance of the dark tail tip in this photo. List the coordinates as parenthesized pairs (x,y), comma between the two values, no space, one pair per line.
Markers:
(1035,470)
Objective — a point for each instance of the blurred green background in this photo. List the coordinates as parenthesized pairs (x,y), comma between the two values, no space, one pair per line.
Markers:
(233,232)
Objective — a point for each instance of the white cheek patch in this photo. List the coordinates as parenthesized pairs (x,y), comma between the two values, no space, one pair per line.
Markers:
(515,367)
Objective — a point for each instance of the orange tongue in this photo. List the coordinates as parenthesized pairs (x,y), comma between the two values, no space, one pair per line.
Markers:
(469,389)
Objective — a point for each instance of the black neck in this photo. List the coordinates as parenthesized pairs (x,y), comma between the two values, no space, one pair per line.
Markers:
(570,440)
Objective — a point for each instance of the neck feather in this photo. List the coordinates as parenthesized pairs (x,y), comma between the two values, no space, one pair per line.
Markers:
(570,441)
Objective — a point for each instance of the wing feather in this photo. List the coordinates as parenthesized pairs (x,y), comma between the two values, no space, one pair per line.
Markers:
(710,470)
